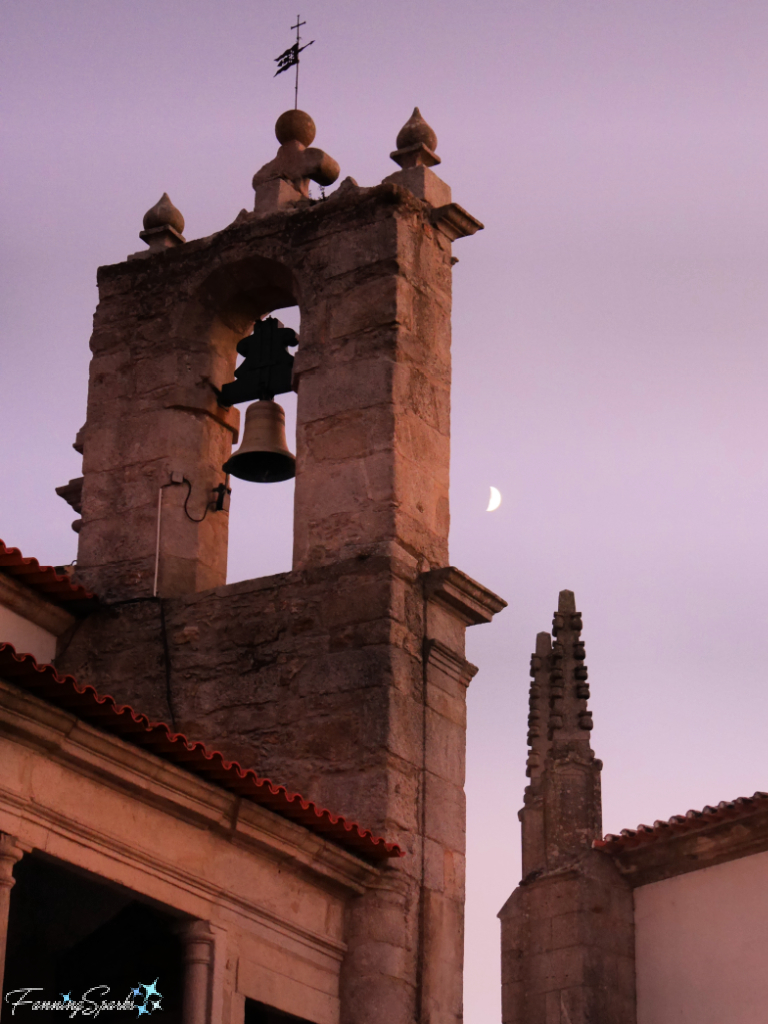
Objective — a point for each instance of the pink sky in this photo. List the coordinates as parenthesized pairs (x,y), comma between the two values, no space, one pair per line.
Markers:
(610,359)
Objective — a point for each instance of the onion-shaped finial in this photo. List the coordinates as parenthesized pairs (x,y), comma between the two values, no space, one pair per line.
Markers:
(164,214)
(416,130)
(416,143)
(163,225)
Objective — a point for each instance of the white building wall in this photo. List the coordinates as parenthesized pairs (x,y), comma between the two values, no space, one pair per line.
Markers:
(702,946)
(26,636)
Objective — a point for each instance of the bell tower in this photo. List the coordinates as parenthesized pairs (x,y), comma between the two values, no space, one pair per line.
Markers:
(346,677)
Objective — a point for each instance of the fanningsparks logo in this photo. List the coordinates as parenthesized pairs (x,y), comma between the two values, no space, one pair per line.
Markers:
(145,999)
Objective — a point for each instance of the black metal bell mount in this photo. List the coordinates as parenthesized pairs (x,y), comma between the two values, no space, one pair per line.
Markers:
(266,371)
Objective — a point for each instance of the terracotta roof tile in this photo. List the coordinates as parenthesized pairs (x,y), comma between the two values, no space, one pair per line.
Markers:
(678,824)
(54,586)
(193,756)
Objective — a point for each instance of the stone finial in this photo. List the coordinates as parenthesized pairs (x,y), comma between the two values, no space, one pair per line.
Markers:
(295,126)
(164,214)
(163,225)
(285,180)
(416,143)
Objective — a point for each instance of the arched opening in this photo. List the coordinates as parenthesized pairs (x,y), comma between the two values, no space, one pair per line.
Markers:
(260,515)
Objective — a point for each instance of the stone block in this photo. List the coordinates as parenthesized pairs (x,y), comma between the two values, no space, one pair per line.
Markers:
(538,933)
(385,299)
(569,929)
(345,388)
(361,600)
(513,1003)
(445,746)
(351,435)
(452,706)
(406,725)
(423,183)
(445,813)
(434,865)
(568,967)
(363,247)
(512,966)
(426,399)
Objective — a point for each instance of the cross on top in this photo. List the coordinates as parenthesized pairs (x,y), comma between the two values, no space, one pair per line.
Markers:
(290,57)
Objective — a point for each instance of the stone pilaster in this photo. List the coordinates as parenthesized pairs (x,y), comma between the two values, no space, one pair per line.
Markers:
(197,958)
(10,853)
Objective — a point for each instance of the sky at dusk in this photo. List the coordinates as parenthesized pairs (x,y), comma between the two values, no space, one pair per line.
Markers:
(609,331)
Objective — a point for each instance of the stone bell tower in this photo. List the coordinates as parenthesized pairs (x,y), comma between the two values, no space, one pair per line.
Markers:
(346,677)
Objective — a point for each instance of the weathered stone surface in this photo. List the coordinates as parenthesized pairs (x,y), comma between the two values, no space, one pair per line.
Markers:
(344,678)
(567,931)
(375,338)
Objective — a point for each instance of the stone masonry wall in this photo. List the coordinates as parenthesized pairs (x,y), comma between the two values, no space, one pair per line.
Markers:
(319,680)
(370,272)
(345,678)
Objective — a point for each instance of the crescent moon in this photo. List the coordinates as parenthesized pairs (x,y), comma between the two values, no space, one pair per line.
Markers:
(494,501)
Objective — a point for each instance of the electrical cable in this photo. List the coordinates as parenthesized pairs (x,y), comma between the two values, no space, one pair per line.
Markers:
(189,495)
(167,663)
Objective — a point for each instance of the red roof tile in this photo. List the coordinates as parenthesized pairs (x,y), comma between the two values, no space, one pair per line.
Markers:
(57,587)
(133,727)
(679,824)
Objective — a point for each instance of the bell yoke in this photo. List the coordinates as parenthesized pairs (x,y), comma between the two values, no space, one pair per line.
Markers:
(266,371)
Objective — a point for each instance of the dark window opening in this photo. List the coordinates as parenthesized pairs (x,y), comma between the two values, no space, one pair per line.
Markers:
(260,1013)
(69,931)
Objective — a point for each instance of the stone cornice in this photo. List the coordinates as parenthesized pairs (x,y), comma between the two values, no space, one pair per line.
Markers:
(454,221)
(454,666)
(455,590)
(62,737)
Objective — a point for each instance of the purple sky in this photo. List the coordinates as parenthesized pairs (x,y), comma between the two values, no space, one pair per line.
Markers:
(610,361)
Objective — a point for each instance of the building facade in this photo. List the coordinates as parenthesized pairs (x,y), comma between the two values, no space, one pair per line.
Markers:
(345,677)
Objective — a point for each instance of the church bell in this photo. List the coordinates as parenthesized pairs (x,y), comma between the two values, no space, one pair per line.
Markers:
(263,455)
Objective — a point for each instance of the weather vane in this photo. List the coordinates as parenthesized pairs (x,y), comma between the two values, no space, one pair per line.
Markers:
(291,56)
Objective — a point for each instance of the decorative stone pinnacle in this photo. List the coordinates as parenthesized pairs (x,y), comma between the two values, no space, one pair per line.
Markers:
(416,143)
(285,180)
(561,814)
(163,225)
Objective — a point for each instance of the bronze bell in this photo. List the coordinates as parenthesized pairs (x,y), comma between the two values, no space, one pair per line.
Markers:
(263,456)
